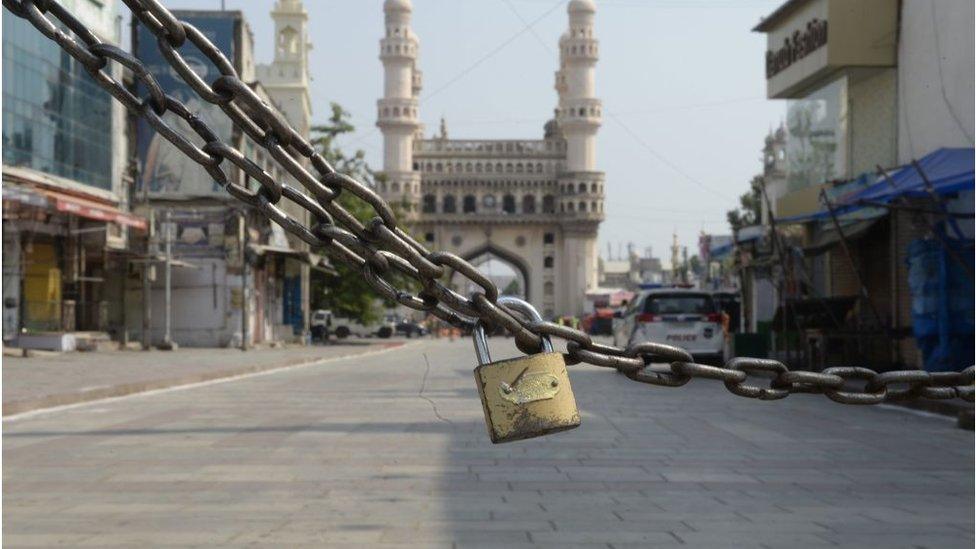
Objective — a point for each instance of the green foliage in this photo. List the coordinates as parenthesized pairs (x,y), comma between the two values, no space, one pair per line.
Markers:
(347,294)
(749,211)
(513,288)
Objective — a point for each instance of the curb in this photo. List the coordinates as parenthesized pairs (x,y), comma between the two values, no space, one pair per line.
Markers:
(11,409)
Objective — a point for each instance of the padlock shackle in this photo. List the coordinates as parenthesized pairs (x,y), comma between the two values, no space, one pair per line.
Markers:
(516,304)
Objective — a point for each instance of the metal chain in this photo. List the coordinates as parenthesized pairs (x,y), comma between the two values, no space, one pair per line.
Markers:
(381,246)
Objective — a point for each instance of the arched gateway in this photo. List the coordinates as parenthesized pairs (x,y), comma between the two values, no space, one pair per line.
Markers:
(534,205)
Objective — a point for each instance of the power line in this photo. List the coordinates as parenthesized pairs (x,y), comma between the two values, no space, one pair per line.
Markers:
(493,51)
(526,24)
(665,161)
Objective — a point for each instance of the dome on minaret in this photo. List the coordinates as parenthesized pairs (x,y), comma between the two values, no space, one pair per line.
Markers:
(397,5)
(587,6)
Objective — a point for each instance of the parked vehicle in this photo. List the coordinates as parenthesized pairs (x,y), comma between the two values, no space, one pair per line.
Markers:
(321,324)
(408,328)
(345,327)
(689,319)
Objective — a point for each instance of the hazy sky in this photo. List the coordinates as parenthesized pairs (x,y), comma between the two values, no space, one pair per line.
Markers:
(681,81)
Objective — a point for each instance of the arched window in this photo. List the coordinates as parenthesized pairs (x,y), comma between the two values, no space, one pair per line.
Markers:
(430,203)
(416,166)
(519,168)
(450,204)
(467,167)
(470,203)
(571,206)
(528,204)
(395,187)
(548,262)
(488,167)
(529,168)
(593,188)
(457,167)
(498,167)
(508,204)
(582,206)
(508,168)
(548,204)
(582,188)
(593,206)
(538,167)
(440,167)
(478,167)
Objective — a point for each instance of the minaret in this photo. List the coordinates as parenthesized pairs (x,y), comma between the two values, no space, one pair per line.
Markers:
(581,186)
(580,112)
(286,78)
(397,114)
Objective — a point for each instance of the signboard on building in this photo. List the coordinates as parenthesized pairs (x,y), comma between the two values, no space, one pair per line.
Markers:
(808,40)
(164,171)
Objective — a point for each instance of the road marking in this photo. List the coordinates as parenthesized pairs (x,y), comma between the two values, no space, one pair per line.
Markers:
(33,413)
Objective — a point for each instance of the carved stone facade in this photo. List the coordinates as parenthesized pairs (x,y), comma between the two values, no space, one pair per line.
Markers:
(534,204)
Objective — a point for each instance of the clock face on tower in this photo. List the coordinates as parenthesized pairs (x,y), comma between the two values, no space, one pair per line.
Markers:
(488,201)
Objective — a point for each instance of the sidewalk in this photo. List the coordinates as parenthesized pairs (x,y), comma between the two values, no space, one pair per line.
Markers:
(55,380)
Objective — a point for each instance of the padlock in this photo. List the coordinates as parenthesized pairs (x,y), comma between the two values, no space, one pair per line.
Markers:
(524,397)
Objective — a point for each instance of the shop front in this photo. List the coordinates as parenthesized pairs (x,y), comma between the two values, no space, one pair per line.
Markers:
(64,256)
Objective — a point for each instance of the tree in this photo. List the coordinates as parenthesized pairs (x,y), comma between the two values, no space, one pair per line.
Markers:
(348,294)
(749,211)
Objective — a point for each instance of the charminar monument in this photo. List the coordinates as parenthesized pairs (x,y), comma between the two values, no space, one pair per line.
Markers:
(533,204)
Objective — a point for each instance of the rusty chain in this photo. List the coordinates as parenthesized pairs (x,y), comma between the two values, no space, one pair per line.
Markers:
(381,246)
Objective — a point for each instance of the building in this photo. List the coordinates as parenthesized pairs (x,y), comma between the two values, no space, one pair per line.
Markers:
(870,87)
(236,278)
(67,225)
(534,204)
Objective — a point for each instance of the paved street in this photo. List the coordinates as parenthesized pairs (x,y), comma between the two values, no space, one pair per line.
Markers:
(67,378)
(384,450)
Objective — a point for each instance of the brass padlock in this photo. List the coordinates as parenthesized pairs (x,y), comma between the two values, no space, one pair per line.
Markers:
(524,397)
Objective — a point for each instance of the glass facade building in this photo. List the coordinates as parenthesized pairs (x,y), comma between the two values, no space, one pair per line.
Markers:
(55,118)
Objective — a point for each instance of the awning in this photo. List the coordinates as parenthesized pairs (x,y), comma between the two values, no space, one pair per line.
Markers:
(949,171)
(828,236)
(315,261)
(74,205)
(94,210)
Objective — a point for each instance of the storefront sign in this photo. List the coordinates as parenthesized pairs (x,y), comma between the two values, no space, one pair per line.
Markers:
(797,46)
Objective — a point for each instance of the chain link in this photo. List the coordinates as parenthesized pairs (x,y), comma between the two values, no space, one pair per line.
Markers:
(381,247)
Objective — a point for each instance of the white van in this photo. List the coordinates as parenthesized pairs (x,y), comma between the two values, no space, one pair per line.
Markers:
(689,319)
(323,320)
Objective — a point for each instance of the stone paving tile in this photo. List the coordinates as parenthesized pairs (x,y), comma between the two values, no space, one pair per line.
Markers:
(326,456)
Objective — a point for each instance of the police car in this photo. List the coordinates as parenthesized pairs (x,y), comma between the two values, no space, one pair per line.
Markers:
(689,319)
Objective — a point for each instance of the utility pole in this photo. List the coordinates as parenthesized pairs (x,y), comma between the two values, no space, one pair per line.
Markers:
(168,344)
(245,308)
(147,267)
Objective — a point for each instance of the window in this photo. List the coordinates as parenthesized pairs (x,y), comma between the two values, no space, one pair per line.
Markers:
(548,262)
(429,237)
(582,188)
(549,238)
(528,204)
(548,204)
(508,204)
(430,203)
(470,204)
(679,304)
(582,206)
(450,204)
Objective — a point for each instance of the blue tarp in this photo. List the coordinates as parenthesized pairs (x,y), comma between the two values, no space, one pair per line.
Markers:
(942,305)
(949,170)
